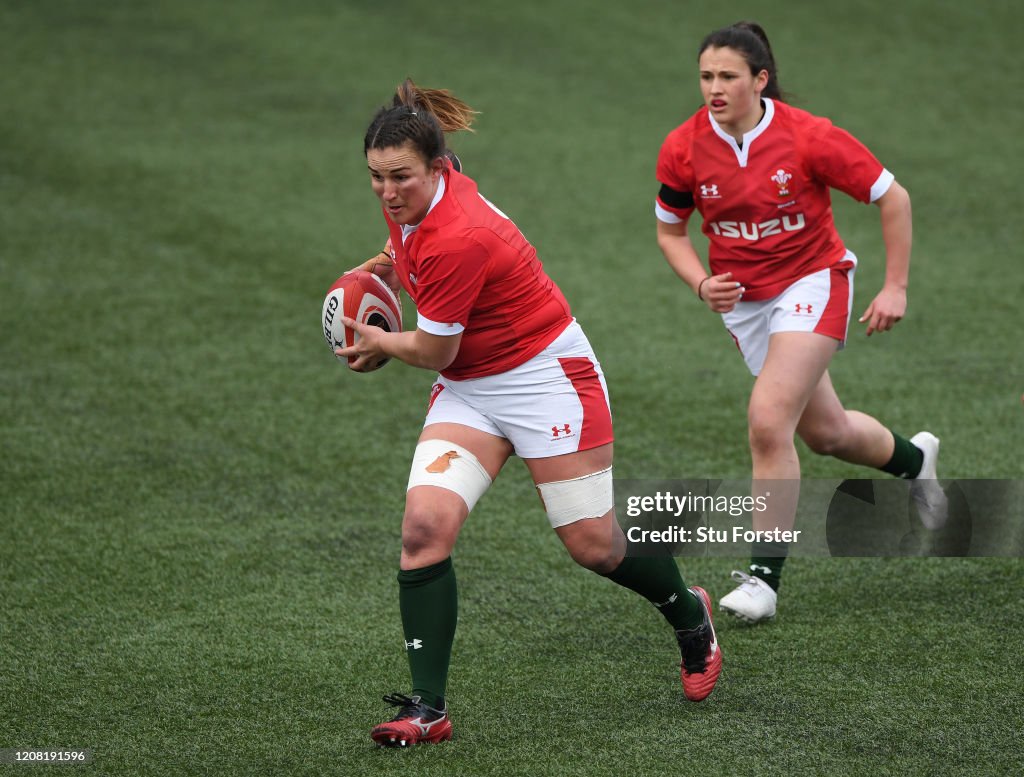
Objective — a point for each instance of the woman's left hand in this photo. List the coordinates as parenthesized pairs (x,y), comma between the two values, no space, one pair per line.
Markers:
(888,307)
(367,348)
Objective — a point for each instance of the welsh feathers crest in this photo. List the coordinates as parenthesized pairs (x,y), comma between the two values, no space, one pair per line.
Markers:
(782,179)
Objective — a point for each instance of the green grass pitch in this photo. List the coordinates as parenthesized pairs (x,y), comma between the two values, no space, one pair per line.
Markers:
(199,510)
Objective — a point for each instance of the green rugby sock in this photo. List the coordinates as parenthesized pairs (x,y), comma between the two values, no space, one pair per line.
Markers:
(428,599)
(767,560)
(906,460)
(657,579)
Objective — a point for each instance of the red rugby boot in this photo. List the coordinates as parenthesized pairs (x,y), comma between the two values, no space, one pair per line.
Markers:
(415,724)
(702,656)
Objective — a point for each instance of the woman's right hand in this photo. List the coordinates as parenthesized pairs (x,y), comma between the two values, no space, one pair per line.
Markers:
(387,273)
(383,266)
(720,292)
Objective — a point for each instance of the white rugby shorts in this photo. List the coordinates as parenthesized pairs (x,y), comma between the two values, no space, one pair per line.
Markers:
(820,302)
(555,403)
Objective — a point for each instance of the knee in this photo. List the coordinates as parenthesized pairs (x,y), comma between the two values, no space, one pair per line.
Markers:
(594,545)
(767,432)
(600,560)
(823,440)
(417,538)
(425,533)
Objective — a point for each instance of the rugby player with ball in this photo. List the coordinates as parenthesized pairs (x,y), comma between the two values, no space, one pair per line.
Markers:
(517,376)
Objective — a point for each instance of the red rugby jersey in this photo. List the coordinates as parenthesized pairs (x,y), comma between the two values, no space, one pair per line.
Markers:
(766,206)
(469,269)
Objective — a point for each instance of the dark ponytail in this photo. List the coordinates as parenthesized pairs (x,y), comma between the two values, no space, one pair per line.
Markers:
(420,116)
(750,40)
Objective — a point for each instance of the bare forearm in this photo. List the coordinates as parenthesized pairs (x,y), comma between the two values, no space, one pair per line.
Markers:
(418,349)
(890,304)
(415,347)
(897,234)
(679,253)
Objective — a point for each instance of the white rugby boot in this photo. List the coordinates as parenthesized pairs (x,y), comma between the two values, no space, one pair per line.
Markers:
(925,492)
(753,600)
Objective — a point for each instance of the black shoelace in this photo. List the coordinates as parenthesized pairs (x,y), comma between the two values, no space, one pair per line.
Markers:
(409,706)
(693,644)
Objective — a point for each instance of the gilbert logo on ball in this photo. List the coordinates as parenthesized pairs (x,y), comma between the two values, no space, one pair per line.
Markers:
(363,297)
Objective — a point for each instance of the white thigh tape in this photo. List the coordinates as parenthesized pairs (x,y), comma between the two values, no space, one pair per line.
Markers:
(447,465)
(568,501)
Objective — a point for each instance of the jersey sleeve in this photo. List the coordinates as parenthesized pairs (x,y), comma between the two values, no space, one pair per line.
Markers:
(842,162)
(448,285)
(674,202)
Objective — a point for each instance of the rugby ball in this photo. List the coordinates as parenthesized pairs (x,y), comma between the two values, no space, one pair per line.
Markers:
(363,297)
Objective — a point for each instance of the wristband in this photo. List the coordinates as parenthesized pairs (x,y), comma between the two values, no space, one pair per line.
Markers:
(700,286)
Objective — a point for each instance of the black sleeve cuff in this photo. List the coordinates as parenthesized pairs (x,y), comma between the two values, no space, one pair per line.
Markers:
(675,199)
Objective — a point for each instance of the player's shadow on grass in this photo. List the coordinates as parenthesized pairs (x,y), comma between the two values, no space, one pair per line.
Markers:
(878,518)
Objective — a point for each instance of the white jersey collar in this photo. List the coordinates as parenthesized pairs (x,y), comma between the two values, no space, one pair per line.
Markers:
(748,137)
(408,229)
